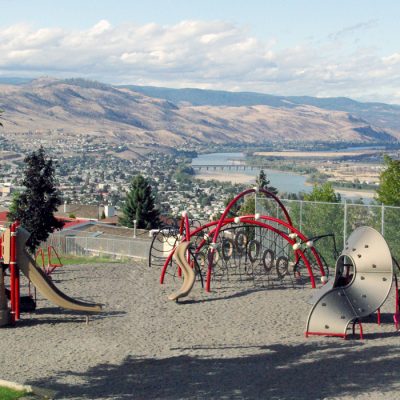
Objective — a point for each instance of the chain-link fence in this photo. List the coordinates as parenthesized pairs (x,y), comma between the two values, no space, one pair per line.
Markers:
(115,247)
(340,219)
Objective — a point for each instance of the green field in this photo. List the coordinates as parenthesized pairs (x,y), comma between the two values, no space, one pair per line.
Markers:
(73,260)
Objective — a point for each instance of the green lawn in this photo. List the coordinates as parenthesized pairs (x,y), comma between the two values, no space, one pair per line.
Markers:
(68,260)
(9,394)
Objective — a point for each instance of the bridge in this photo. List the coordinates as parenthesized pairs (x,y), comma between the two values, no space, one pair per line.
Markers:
(229,167)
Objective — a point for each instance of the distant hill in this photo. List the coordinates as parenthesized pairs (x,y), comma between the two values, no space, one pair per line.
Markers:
(386,116)
(14,81)
(178,117)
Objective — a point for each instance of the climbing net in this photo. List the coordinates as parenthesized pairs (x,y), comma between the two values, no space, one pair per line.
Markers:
(260,251)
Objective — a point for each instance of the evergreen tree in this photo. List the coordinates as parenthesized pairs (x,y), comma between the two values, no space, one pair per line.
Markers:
(249,206)
(389,183)
(139,205)
(34,207)
(234,211)
(264,183)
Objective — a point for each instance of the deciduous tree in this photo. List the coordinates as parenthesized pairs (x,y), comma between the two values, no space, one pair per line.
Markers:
(323,193)
(389,183)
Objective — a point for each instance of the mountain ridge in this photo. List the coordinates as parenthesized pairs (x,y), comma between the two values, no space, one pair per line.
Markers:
(198,97)
(120,114)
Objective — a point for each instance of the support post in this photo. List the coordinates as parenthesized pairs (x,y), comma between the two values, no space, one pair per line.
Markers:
(14,275)
(301,215)
(345,222)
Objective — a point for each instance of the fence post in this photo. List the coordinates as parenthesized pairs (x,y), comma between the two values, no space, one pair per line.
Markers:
(345,222)
(383,220)
(301,214)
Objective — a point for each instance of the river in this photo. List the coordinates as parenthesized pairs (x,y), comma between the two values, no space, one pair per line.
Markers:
(284,181)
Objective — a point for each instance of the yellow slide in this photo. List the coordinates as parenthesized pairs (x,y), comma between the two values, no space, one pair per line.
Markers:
(189,275)
(42,283)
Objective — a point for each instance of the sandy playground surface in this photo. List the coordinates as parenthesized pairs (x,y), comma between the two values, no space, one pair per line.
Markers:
(235,343)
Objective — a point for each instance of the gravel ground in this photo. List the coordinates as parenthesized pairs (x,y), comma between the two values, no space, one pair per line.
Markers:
(234,343)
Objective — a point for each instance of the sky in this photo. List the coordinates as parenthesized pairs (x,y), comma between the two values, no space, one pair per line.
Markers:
(323,48)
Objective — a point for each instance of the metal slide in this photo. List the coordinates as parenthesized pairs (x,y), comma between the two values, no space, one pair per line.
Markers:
(189,275)
(363,279)
(43,284)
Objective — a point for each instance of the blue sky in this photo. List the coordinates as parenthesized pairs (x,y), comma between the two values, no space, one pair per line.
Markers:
(319,48)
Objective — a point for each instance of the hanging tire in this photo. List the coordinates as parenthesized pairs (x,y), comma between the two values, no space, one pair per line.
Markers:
(268,258)
(241,241)
(282,267)
(227,248)
(253,250)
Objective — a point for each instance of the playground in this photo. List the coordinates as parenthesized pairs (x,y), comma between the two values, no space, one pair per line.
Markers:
(232,343)
(246,289)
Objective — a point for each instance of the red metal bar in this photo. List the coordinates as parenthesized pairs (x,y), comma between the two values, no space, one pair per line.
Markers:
(17,293)
(225,213)
(221,222)
(361,330)
(17,273)
(378,316)
(263,225)
(40,253)
(301,236)
(282,207)
(272,219)
(14,276)
(50,265)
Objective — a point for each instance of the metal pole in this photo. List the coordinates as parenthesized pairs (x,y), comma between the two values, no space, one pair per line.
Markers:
(301,214)
(383,220)
(134,228)
(345,222)
(12,273)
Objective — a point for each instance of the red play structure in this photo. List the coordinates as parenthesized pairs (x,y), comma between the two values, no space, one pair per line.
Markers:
(51,254)
(254,246)
(16,259)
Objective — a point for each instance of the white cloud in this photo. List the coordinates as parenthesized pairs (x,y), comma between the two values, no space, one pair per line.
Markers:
(217,55)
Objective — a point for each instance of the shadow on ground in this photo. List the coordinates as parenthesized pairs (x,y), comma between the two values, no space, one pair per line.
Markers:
(301,371)
(52,315)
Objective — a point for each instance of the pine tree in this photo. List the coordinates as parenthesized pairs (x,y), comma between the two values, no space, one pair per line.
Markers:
(264,183)
(248,207)
(139,205)
(34,207)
